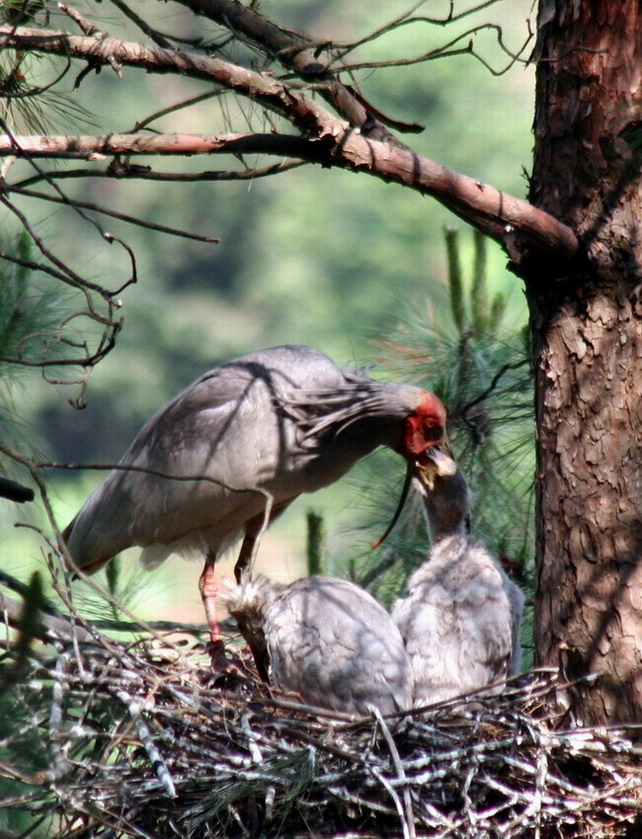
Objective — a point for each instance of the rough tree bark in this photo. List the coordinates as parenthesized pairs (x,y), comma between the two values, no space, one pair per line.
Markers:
(587,328)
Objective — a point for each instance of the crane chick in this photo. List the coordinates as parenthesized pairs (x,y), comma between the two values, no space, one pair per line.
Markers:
(327,640)
(461,619)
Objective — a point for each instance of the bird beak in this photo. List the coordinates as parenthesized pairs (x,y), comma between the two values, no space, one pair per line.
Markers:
(426,467)
(433,463)
(410,471)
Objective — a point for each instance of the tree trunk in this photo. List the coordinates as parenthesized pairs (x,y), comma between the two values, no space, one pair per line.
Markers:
(587,331)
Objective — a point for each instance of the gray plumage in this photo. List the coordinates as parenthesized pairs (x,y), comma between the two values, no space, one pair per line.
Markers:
(283,421)
(268,425)
(461,619)
(327,640)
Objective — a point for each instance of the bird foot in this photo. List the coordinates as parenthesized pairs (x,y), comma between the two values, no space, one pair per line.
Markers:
(224,669)
(218,658)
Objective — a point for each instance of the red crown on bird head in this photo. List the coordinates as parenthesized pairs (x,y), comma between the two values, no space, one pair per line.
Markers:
(426,426)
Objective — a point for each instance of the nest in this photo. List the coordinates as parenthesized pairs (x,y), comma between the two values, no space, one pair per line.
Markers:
(116,739)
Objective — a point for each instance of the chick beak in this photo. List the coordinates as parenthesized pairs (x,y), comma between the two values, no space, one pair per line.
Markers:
(433,463)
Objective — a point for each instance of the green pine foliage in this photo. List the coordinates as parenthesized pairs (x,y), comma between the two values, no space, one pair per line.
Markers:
(28,314)
(33,331)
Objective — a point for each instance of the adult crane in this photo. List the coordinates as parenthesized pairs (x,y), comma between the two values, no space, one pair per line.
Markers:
(235,448)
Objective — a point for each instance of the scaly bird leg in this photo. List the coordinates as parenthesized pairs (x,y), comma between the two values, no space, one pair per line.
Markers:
(208,588)
(247,549)
(253,529)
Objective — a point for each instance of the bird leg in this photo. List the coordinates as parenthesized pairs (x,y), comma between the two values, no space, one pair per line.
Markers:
(247,549)
(208,588)
(253,529)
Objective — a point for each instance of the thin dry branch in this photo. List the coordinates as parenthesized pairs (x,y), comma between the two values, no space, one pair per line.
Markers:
(92,147)
(159,39)
(130,171)
(297,53)
(53,348)
(523,230)
(451,48)
(409,18)
(513,222)
(99,50)
(97,208)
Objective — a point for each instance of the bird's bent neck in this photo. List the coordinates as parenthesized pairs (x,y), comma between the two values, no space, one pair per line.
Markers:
(447,506)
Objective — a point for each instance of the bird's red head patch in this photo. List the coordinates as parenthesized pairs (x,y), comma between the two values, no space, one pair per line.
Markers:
(426,426)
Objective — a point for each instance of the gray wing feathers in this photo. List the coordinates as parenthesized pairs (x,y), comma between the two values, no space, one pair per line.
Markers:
(231,427)
(97,533)
(516,600)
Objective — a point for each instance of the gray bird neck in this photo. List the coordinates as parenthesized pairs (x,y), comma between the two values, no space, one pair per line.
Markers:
(447,506)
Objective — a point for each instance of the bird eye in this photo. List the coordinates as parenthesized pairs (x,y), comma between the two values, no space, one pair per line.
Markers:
(433,430)
(422,433)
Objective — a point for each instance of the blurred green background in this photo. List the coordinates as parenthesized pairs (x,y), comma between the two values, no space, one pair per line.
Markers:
(336,260)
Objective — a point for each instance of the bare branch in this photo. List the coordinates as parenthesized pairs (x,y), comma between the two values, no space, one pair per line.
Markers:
(61,270)
(508,220)
(85,26)
(511,221)
(303,112)
(177,106)
(297,53)
(99,148)
(408,18)
(156,37)
(14,491)
(450,49)
(326,140)
(130,171)
(85,205)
